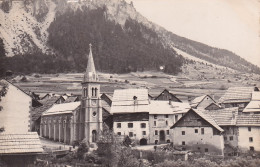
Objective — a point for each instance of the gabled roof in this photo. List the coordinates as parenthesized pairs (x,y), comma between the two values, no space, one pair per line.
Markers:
(248,120)
(164,107)
(254,104)
(225,117)
(238,94)
(71,99)
(212,104)
(170,92)
(125,97)
(195,102)
(47,103)
(9,83)
(204,115)
(64,108)
(20,143)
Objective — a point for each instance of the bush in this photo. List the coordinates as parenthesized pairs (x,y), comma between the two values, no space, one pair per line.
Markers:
(82,149)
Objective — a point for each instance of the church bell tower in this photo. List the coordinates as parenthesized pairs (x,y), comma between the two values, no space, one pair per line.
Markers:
(91,102)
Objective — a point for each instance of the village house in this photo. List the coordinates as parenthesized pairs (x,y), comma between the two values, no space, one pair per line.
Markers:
(143,120)
(203,102)
(248,132)
(16,113)
(162,115)
(237,97)
(198,131)
(131,114)
(227,119)
(167,95)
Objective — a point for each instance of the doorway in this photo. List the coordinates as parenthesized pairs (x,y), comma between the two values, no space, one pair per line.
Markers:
(162,136)
(143,142)
(94,136)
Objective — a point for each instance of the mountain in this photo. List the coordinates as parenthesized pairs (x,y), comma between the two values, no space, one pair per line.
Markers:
(53,36)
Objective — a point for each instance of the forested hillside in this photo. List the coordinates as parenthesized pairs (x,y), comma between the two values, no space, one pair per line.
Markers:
(116,48)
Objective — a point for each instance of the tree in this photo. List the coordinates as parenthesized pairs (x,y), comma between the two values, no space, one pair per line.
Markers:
(3,91)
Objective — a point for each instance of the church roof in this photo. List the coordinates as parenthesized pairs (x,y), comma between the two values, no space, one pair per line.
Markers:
(63,108)
(90,74)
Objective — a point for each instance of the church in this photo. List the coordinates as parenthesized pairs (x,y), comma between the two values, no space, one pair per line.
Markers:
(75,121)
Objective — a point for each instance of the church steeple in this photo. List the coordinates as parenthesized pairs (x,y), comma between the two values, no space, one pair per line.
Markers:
(90,74)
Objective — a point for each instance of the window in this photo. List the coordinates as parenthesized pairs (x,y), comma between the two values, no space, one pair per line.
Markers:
(118,125)
(196,130)
(206,150)
(119,133)
(249,129)
(130,125)
(64,123)
(155,116)
(154,123)
(251,148)
(230,138)
(183,143)
(225,138)
(202,131)
(167,132)
(176,118)
(156,132)
(92,91)
(168,141)
(144,132)
(131,134)
(166,122)
(250,139)
(156,142)
(166,116)
(143,125)
(183,132)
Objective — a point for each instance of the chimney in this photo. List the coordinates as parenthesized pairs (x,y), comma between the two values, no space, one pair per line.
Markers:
(170,101)
(189,99)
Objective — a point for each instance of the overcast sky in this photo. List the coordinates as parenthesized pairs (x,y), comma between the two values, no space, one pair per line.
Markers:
(228,24)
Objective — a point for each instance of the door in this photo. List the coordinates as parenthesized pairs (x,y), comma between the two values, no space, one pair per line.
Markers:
(162,136)
(94,136)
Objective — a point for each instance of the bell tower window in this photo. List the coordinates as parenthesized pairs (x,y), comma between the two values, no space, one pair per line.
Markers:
(96,92)
(93,91)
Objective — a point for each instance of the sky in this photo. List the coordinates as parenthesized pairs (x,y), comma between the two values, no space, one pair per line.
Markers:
(226,24)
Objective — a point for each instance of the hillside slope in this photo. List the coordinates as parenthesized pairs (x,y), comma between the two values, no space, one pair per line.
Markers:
(123,39)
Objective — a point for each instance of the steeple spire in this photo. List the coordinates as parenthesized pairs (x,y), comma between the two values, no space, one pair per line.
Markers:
(90,74)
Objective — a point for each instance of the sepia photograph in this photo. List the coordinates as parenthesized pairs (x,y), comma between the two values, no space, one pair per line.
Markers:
(129,83)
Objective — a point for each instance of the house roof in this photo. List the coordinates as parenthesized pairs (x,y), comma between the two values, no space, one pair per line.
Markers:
(204,115)
(7,82)
(71,99)
(212,104)
(248,120)
(47,103)
(224,117)
(237,94)
(195,102)
(64,108)
(254,104)
(207,117)
(20,143)
(170,92)
(163,107)
(125,97)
